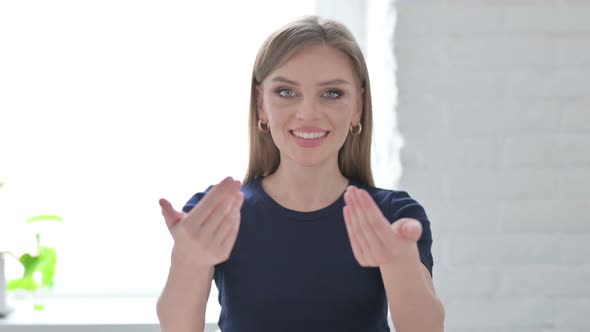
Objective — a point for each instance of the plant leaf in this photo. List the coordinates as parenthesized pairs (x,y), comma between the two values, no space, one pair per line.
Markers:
(48,217)
(30,264)
(44,263)
(22,283)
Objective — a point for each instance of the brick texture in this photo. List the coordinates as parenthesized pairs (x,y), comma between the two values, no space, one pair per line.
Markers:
(494,111)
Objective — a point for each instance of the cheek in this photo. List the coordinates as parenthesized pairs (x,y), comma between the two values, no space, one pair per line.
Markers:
(278,110)
(340,113)
(276,118)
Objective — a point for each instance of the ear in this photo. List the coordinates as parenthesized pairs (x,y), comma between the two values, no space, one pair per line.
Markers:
(360,105)
(260,104)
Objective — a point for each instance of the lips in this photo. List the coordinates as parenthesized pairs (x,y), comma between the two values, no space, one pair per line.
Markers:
(309,137)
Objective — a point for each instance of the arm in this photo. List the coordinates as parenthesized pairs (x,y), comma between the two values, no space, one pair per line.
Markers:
(182,304)
(413,303)
(393,248)
(203,238)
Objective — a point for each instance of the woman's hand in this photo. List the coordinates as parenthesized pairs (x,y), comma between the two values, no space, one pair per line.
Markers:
(206,235)
(374,240)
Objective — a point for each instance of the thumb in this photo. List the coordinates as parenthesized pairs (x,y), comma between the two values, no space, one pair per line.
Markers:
(171,216)
(410,229)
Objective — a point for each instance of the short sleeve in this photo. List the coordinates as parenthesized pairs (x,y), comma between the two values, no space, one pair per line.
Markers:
(404,206)
(193,201)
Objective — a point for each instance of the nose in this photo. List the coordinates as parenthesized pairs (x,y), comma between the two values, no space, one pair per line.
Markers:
(307,110)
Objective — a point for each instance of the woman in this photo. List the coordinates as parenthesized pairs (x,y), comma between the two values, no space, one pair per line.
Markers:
(306,243)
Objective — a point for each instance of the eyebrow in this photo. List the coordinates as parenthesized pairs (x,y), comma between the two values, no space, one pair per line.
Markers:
(337,81)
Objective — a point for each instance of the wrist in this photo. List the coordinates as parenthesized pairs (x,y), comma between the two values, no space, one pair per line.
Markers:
(408,258)
(181,260)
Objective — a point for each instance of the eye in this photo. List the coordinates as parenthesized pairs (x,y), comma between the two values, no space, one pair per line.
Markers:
(286,92)
(333,94)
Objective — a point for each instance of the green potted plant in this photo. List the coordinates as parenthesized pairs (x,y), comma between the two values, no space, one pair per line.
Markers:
(39,266)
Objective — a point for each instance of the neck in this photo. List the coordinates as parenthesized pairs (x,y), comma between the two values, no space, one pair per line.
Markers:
(303,188)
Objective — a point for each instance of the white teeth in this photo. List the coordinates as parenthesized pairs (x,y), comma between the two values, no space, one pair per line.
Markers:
(307,135)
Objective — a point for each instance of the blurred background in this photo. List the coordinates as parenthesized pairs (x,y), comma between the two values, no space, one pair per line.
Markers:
(482,113)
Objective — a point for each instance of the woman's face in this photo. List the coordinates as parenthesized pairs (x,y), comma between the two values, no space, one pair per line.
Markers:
(309,104)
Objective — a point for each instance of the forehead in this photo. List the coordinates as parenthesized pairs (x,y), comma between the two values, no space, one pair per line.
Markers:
(316,63)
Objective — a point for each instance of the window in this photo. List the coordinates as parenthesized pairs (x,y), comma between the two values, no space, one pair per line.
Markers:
(107,106)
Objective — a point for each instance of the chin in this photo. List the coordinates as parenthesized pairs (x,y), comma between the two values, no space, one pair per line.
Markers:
(310,159)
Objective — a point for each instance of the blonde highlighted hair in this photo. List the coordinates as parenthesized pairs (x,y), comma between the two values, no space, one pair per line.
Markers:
(354,158)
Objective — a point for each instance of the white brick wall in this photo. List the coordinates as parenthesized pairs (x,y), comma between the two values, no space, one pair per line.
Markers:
(494,108)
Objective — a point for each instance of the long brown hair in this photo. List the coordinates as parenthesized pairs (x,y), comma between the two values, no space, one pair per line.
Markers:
(354,158)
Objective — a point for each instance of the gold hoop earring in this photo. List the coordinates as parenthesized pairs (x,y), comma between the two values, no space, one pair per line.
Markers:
(264,130)
(354,131)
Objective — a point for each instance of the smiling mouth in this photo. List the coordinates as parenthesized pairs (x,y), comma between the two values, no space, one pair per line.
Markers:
(309,135)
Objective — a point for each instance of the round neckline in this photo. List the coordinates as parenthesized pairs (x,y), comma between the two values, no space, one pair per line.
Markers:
(269,202)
